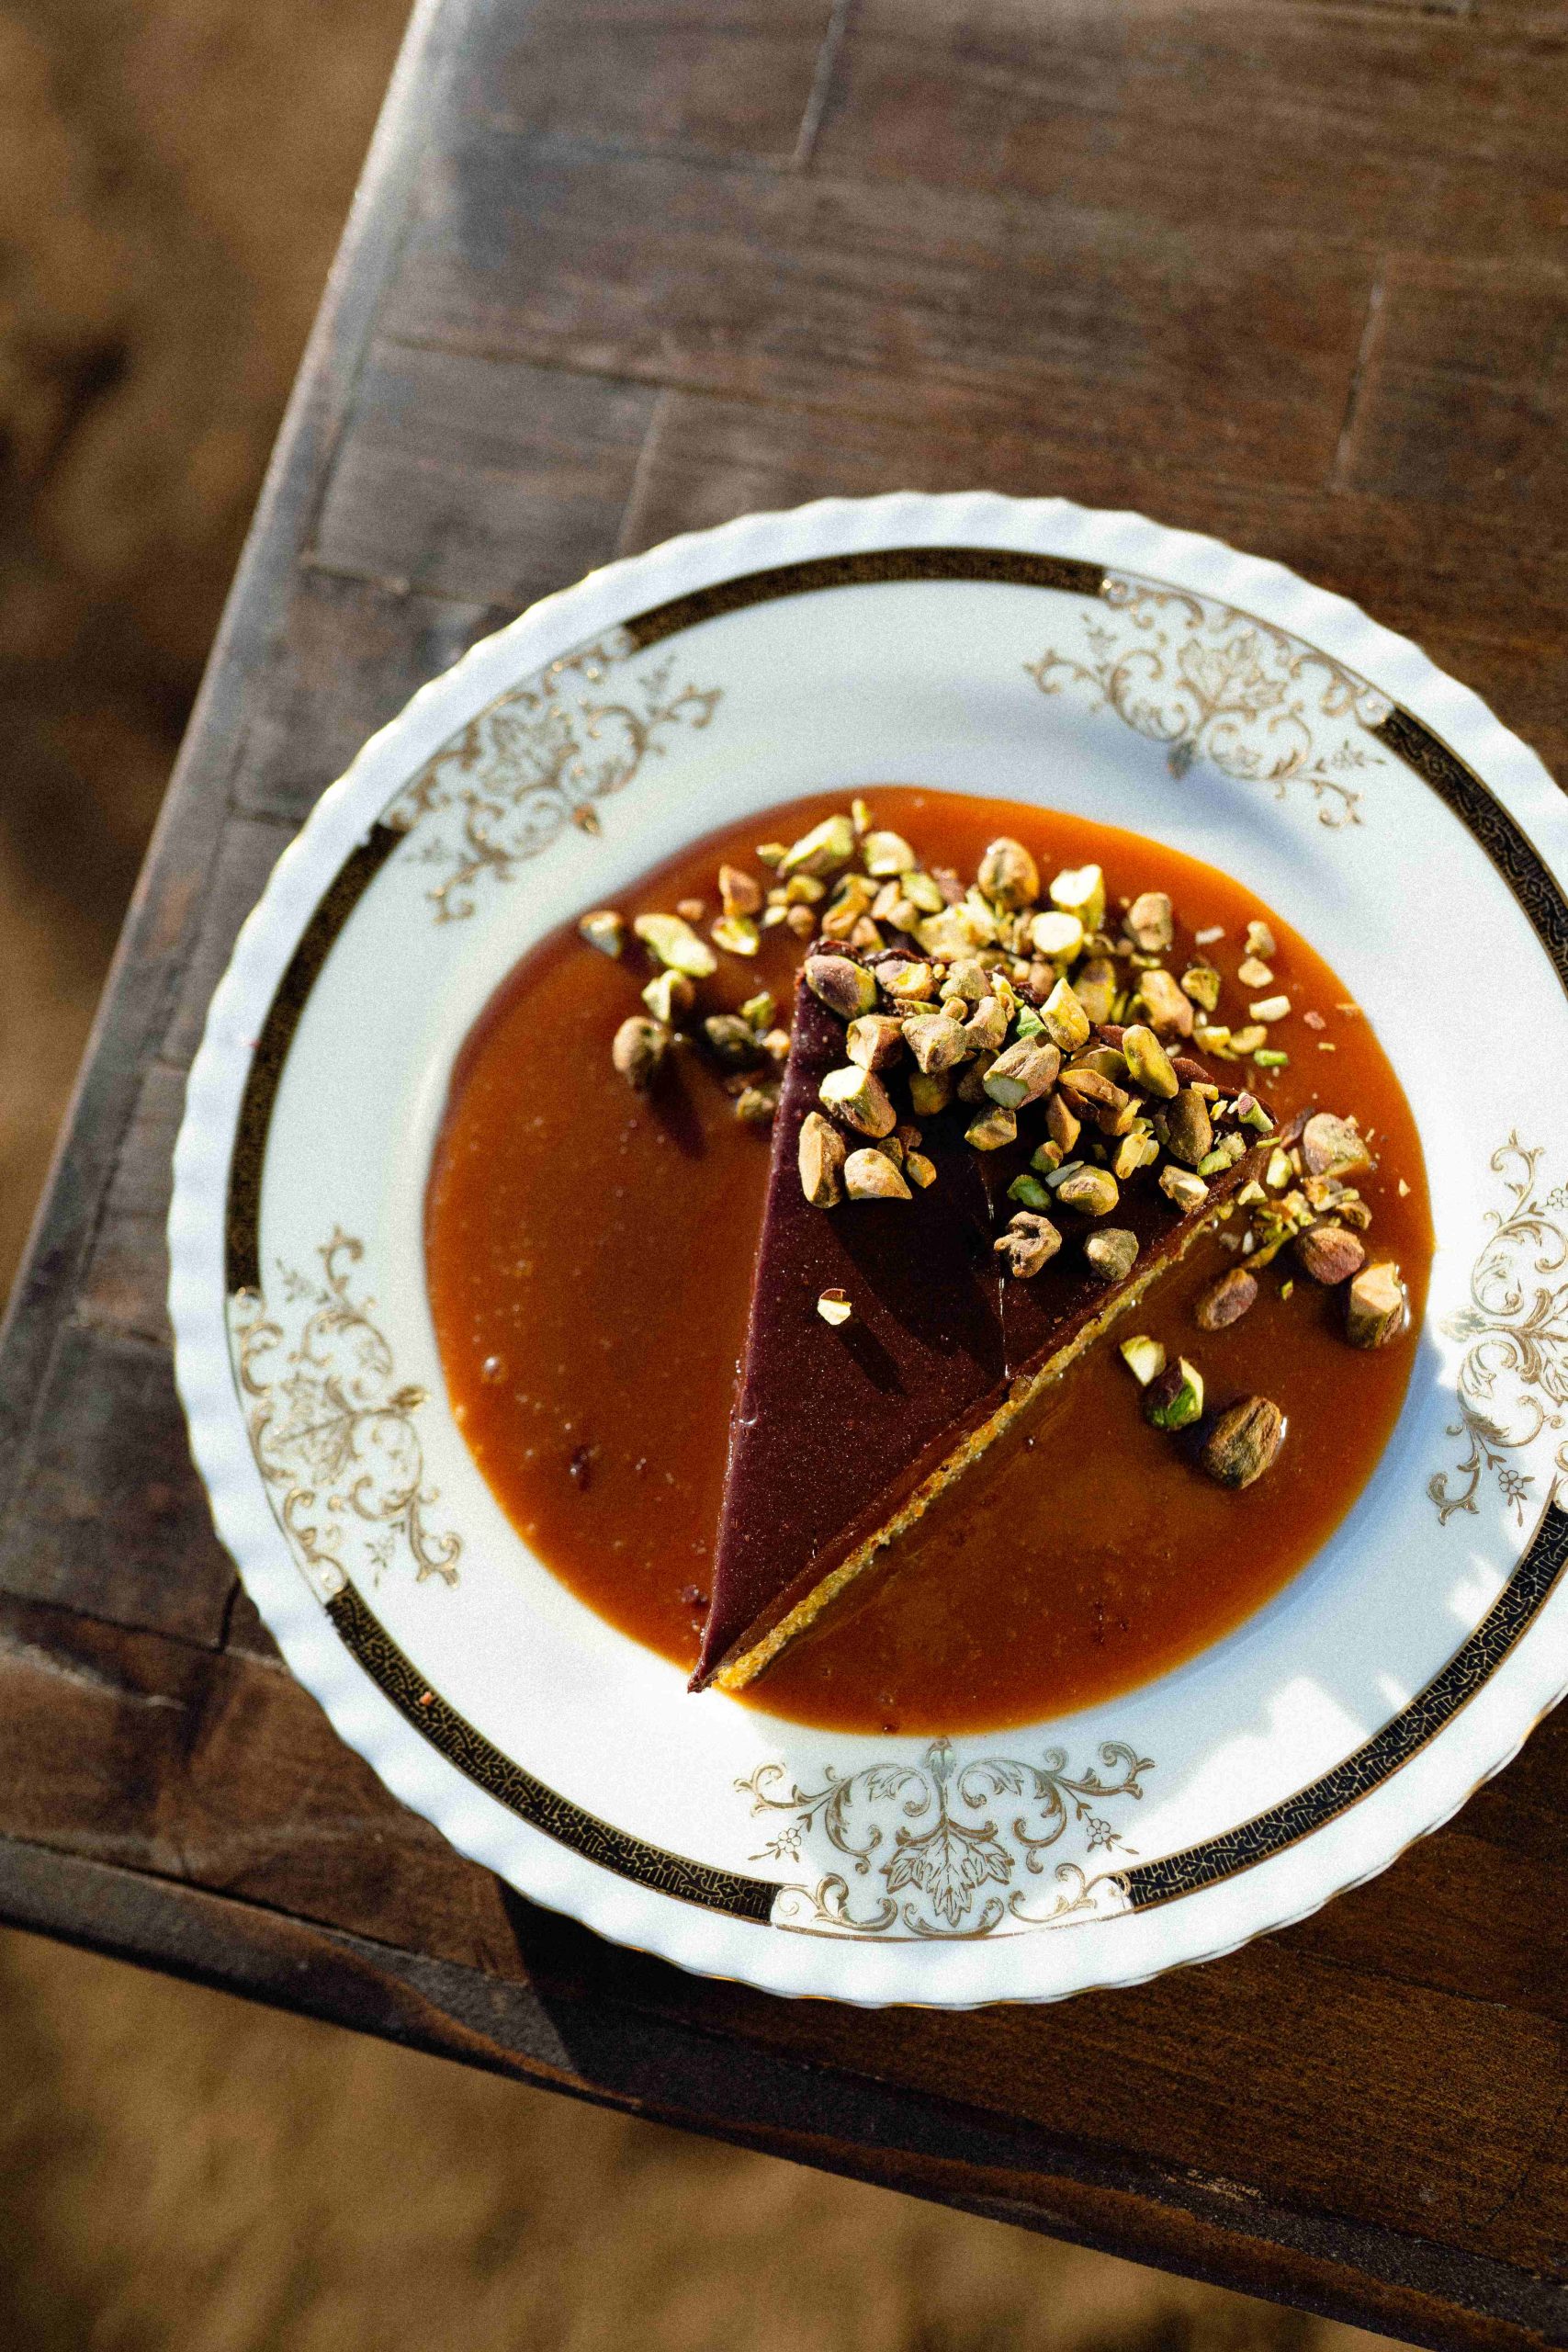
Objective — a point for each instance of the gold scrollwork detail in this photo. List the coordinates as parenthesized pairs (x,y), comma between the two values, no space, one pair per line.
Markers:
(537,758)
(936,1836)
(1207,681)
(332,1429)
(1512,1378)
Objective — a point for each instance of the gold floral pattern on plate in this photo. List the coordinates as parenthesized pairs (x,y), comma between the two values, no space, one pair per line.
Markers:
(1210,681)
(333,1431)
(938,1835)
(537,758)
(1513,1379)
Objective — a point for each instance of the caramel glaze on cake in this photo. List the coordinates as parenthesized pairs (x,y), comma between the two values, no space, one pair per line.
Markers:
(843,1436)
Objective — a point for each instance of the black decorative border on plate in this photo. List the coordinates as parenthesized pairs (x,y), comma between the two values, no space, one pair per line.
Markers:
(1147,1883)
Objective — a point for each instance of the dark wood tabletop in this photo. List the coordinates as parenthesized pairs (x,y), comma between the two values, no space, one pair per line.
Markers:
(1292,272)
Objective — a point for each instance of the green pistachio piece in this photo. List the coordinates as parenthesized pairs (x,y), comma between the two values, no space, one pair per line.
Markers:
(737,934)
(1066,1022)
(1111,1253)
(1022,1074)
(875,1040)
(1185,1190)
(966,978)
(1029,1192)
(920,1169)
(834,1306)
(887,853)
(1170,1013)
(1094,1190)
(908,978)
(668,995)
(638,1049)
(1332,1147)
(1029,1242)
(822,851)
(1062,1123)
(1080,890)
(676,945)
(604,930)
(734,1043)
(1260,940)
(951,935)
(1189,1131)
(1144,1357)
(1056,936)
(845,987)
(1175,1401)
(1376,1308)
(991,1129)
(1046,1160)
(986,1025)
(872,1176)
(981,916)
(1147,922)
(1244,1440)
(1148,1064)
(931,1091)
(755,1105)
(1270,1058)
(1202,983)
(1008,874)
(936,1042)
(1134,1150)
(759,1010)
(1096,986)
(859,1098)
(822,1152)
(923,893)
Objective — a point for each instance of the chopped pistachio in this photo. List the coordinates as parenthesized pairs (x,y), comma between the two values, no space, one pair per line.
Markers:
(1376,1308)
(936,1042)
(966,978)
(1022,1074)
(771,916)
(1080,890)
(887,853)
(1211,1039)
(821,1152)
(1066,1022)
(771,853)
(981,916)
(872,1176)
(1332,1147)
(1189,1131)
(851,897)
(1148,924)
(1029,1192)
(1251,1192)
(1008,874)
(755,1105)
(676,945)
(833,1306)
(1246,1438)
(859,1098)
(1094,1190)
(822,851)
(1175,1401)
(737,934)
(920,1169)
(875,1040)
(803,890)
(1270,1009)
(733,1042)
(860,816)
(604,930)
(1179,1185)
(1259,940)
(1113,1253)
(1226,1301)
(992,1129)
(759,1010)
(1247,1040)
(668,995)
(1255,974)
(1046,1159)
(1207,937)
(741,892)
(1029,1242)
(845,987)
(1057,935)
(691,909)
(931,1091)
(1134,1150)
(1271,1058)
(1202,983)
(892,1145)
(637,1050)
(951,935)
(1329,1253)
(1148,1064)
(1253,1114)
(906,978)
(986,1025)
(1144,1357)
(1170,1013)
(924,892)
(775,1045)
(1062,1123)
(1095,985)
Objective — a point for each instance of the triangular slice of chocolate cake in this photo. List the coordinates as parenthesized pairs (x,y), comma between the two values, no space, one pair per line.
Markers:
(962,1305)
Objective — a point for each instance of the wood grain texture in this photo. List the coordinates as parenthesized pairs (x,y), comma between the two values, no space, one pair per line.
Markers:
(1286,272)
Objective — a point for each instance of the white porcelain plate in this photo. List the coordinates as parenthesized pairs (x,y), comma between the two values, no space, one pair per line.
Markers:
(1089,661)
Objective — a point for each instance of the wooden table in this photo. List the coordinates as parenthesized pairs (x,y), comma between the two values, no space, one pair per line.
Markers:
(1285,271)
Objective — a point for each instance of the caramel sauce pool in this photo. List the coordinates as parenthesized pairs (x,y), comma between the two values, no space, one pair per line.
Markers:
(590,1259)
